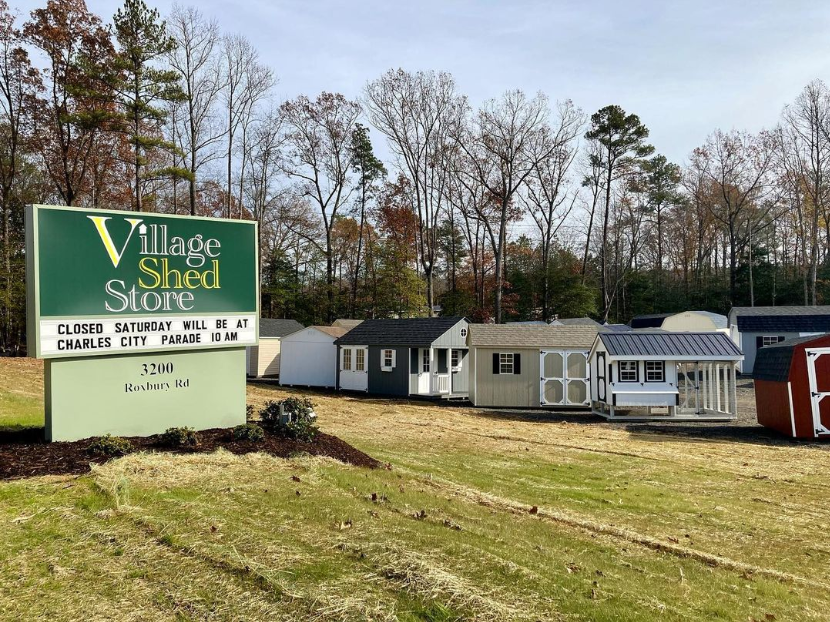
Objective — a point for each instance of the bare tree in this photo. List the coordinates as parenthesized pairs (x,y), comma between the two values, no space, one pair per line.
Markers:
(418,113)
(504,144)
(319,159)
(549,197)
(246,83)
(737,164)
(194,58)
(804,148)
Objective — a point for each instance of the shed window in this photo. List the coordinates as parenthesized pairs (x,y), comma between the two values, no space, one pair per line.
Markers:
(769,340)
(655,371)
(463,333)
(425,361)
(506,363)
(455,360)
(387,360)
(347,359)
(628,371)
(360,360)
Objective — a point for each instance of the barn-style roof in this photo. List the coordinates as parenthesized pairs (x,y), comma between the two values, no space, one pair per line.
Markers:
(416,332)
(652,320)
(276,329)
(512,336)
(659,344)
(781,319)
(773,362)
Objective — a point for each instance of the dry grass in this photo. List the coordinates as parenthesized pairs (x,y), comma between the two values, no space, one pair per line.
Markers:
(491,516)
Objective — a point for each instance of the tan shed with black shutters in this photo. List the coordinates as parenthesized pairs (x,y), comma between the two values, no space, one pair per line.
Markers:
(528,366)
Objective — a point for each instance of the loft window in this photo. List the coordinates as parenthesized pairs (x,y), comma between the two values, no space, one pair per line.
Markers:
(628,371)
(655,371)
(463,333)
(360,360)
(506,363)
(769,340)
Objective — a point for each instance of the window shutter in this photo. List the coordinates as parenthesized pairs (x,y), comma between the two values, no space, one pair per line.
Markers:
(517,363)
(495,362)
(759,342)
(394,358)
(382,359)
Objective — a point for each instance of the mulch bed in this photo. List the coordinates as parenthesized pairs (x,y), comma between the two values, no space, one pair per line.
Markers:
(25,454)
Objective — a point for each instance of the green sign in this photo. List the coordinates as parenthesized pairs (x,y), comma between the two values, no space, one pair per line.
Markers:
(110,282)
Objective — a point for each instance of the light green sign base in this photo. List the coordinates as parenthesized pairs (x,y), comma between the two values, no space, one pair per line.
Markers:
(144,394)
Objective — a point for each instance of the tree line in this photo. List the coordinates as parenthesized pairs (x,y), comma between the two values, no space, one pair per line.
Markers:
(517,209)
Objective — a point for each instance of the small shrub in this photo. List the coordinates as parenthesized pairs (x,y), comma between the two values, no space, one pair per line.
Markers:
(300,414)
(248,432)
(110,446)
(180,437)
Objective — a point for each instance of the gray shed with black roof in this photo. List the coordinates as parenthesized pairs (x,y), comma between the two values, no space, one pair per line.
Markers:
(641,375)
(753,328)
(403,357)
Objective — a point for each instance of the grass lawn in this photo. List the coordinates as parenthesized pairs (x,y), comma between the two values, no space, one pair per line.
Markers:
(478,517)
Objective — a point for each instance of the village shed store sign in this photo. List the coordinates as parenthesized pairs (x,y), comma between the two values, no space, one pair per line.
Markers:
(108,282)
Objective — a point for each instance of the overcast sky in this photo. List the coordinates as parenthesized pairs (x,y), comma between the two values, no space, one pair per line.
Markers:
(685,67)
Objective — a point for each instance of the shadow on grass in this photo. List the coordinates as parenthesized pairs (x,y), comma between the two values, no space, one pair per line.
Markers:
(728,433)
(22,435)
(539,416)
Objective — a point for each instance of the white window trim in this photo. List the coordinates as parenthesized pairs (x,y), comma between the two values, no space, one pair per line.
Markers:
(621,372)
(343,361)
(771,337)
(392,357)
(506,363)
(426,361)
(661,369)
(360,360)
(457,365)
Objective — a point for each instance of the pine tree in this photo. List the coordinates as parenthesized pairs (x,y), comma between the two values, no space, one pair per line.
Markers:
(141,88)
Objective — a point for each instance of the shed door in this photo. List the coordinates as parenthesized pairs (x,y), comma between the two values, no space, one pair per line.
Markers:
(601,376)
(818,370)
(564,378)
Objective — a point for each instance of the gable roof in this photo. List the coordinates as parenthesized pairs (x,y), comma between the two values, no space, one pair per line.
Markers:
(512,336)
(671,345)
(346,323)
(332,331)
(578,321)
(788,319)
(418,332)
(273,328)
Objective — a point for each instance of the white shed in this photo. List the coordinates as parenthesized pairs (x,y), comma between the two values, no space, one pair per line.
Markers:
(309,357)
(264,359)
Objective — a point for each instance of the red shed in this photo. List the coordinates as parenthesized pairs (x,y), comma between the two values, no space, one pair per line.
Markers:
(792,387)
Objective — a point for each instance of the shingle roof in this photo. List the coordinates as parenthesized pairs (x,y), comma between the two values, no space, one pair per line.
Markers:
(345,323)
(277,328)
(670,345)
(782,319)
(333,331)
(653,320)
(511,336)
(418,332)
(578,321)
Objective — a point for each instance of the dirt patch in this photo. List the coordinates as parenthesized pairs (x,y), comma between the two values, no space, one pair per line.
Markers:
(25,453)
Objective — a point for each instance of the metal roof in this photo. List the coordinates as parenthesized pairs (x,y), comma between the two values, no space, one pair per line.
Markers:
(788,319)
(276,328)
(512,336)
(719,320)
(418,332)
(671,345)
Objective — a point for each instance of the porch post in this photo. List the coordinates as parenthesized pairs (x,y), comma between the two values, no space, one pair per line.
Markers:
(717,384)
(697,387)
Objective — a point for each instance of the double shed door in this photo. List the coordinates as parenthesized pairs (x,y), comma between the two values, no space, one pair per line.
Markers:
(818,372)
(565,379)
